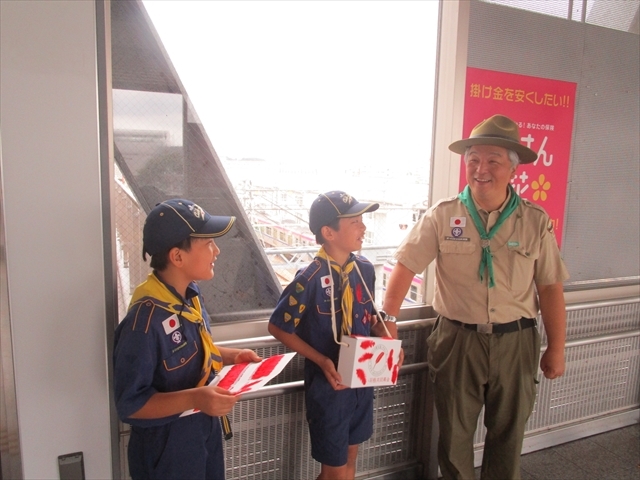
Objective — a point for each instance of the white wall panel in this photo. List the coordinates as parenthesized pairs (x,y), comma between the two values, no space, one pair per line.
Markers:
(601,241)
(54,244)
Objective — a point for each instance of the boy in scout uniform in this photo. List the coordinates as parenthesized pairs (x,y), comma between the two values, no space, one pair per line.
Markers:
(497,263)
(324,301)
(164,356)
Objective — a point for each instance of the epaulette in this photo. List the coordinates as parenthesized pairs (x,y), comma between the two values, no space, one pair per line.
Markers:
(445,200)
(361,258)
(311,270)
(141,313)
(528,203)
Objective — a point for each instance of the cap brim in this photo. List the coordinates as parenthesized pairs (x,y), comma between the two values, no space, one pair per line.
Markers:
(359,209)
(216,226)
(526,154)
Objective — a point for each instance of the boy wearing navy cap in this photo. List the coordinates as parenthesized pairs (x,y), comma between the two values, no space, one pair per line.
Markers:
(307,321)
(164,355)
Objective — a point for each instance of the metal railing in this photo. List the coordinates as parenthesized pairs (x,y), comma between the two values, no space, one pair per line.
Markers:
(270,433)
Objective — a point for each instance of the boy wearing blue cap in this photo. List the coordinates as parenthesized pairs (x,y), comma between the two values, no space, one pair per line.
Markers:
(330,298)
(164,355)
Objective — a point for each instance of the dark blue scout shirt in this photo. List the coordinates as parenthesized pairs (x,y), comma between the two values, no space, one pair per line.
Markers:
(149,360)
(304,307)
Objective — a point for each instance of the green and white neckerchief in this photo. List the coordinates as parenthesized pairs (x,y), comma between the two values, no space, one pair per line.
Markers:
(487,259)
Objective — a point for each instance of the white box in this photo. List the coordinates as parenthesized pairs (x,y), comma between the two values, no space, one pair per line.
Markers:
(369,361)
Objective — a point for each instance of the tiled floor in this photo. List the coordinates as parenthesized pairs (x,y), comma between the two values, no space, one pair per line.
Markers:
(613,455)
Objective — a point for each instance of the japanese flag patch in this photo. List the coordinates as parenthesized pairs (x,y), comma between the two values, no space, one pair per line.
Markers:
(458,222)
(326,281)
(170,324)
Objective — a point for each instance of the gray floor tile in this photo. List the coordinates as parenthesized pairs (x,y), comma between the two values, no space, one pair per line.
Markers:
(611,455)
(627,434)
(576,450)
(623,446)
(528,476)
(549,465)
(592,458)
(628,453)
(630,474)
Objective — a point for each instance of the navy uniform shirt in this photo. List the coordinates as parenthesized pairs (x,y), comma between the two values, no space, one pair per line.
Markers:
(150,356)
(304,307)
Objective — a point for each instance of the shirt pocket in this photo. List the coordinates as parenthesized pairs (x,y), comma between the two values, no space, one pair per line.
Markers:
(181,357)
(460,262)
(522,260)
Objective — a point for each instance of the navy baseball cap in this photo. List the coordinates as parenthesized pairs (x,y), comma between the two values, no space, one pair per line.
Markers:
(336,204)
(172,221)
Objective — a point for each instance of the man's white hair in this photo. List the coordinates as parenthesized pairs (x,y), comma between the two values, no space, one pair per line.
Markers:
(514,158)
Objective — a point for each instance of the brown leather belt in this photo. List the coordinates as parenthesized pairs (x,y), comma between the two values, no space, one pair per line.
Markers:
(490,328)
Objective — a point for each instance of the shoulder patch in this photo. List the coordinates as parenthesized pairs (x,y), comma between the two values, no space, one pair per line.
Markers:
(311,270)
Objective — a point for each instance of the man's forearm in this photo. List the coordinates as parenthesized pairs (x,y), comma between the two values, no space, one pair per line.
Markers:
(397,286)
(554,314)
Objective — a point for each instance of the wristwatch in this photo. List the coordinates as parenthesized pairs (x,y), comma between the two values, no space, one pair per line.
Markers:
(387,318)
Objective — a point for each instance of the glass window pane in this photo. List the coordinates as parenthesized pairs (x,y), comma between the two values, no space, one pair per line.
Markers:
(162,151)
(298,98)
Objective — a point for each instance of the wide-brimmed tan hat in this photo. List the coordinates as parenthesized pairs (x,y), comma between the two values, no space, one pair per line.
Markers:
(497,130)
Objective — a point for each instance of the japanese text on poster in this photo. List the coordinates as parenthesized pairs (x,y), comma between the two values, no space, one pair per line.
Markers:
(543,110)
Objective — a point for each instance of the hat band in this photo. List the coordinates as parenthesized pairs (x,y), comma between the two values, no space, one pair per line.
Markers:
(496,136)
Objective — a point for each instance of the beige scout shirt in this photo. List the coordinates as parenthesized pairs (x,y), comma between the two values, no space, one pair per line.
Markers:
(524,250)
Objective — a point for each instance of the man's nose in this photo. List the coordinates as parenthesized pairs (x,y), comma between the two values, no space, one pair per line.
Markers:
(483,166)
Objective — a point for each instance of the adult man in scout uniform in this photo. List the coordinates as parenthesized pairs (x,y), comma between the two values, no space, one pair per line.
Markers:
(497,263)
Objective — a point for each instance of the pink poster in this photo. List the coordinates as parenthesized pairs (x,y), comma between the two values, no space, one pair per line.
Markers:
(543,110)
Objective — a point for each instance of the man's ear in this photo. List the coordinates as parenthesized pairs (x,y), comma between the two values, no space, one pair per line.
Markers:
(175,256)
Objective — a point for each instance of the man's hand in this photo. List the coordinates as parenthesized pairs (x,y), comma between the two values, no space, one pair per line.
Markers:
(378,330)
(552,363)
(554,317)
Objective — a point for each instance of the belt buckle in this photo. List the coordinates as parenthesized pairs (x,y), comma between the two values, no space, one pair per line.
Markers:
(486,328)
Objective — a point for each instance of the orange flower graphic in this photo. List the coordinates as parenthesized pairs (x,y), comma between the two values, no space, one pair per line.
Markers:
(540,186)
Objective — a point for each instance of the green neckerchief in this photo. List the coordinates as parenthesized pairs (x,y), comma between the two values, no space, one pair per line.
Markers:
(487,259)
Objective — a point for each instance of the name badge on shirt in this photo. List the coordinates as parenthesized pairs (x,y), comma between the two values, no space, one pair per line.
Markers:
(171,324)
